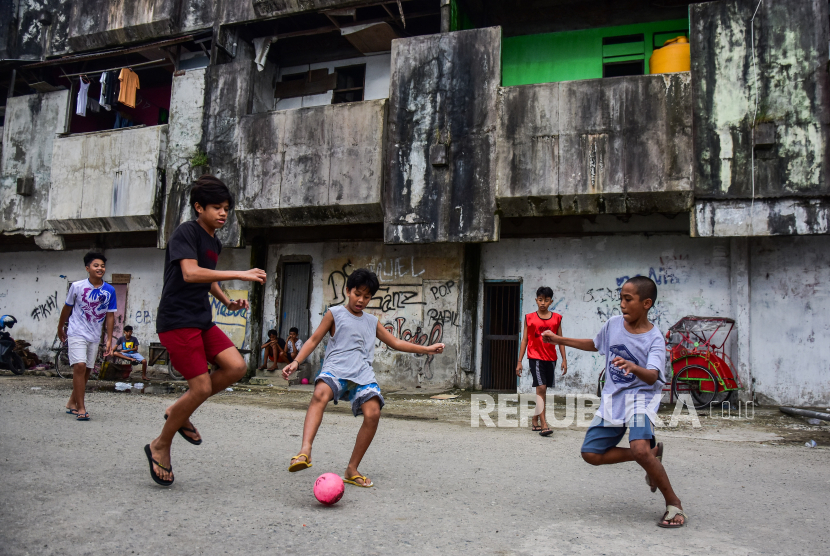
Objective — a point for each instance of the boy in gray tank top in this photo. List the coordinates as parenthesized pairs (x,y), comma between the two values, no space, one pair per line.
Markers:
(347,370)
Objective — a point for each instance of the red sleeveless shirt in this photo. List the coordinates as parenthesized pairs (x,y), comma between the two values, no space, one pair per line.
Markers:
(536,348)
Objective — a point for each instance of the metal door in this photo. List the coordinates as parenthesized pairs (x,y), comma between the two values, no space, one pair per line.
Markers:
(500,353)
(296,283)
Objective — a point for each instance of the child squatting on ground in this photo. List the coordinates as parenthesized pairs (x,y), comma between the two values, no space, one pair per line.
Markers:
(89,302)
(185,321)
(635,360)
(347,370)
(541,356)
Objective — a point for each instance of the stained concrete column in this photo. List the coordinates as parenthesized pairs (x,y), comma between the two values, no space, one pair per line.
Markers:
(259,259)
(468,341)
(740,295)
(446,16)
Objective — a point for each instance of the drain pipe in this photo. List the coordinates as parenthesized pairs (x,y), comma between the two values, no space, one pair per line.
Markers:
(446,14)
(805,413)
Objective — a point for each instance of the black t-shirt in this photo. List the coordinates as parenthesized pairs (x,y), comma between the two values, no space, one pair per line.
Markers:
(183,304)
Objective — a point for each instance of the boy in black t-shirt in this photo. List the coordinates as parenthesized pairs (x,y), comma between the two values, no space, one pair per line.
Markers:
(185,322)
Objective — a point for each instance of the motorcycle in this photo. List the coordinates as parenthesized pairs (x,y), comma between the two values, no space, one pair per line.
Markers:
(8,358)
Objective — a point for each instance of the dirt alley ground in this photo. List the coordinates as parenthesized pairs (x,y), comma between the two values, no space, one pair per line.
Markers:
(750,486)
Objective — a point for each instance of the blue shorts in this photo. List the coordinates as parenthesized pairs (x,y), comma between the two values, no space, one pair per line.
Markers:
(357,394)
(602,436)
(134,356)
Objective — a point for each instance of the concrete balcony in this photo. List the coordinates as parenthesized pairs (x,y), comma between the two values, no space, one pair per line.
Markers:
(108,181)
(615,146)
(312,166)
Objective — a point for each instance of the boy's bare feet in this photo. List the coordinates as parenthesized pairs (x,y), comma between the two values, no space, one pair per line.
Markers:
(161,455)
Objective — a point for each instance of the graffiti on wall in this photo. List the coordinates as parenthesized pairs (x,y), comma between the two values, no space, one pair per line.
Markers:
(412,308)
(44,310)
(233,323)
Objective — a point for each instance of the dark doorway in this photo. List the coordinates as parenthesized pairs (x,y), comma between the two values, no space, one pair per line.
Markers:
(296,284)
(501,336)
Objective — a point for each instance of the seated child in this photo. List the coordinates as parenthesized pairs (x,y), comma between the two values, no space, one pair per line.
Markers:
(127,348)
(274,352)
(635,360)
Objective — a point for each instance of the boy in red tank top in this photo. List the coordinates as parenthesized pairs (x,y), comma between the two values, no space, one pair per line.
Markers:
(540,355)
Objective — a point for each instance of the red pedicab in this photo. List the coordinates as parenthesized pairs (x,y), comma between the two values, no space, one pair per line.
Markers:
(699,361)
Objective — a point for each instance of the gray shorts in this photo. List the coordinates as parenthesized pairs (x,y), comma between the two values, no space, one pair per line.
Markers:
(356,394)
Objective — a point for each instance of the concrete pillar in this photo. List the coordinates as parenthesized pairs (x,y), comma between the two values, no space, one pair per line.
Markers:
(259,259)
(740,294)
(446,16)
(468,340)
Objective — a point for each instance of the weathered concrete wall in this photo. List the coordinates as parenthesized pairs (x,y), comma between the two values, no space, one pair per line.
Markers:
(768,217)
(776,290)
(33,289)
(418,301)
(108,181)
(596,146)
(693,278)
(31,124)
(443,98)
(321,165)
(228,96)
(790,292)
(791,124)
(34,29)
(98,23)
(270,8)
(187,111)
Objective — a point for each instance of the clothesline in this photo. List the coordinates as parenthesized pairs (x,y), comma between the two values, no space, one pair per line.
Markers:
(68,75)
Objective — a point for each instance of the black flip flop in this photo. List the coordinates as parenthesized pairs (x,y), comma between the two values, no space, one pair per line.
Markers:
(185,429)
(153,474)
(546,432)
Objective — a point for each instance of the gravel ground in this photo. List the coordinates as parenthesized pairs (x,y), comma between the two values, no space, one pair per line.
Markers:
(441,486)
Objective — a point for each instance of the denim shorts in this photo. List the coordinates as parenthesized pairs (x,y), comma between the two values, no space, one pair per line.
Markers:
(135,356)
(356,394)
(602,435)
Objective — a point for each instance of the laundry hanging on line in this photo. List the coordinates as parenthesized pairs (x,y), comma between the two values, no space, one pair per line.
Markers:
(129,85)
(80,105)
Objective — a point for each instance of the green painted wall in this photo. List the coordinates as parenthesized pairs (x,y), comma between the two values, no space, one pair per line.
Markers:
(571,55)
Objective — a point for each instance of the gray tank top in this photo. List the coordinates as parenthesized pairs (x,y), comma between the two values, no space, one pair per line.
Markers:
(351,351)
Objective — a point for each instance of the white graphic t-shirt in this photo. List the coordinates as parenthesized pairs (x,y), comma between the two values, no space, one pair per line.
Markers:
(623,395)
(90,306)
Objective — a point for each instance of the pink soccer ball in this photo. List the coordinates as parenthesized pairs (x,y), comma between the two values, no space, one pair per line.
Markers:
(328,488)
(304,381)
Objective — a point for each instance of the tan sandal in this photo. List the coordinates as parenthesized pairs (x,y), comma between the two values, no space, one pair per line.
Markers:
(671,513)
(300,465)
(353,481)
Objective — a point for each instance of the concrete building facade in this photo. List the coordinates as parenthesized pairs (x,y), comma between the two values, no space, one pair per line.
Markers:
(465,151)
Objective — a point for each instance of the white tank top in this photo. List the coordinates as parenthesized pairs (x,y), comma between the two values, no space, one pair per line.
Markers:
(351,351)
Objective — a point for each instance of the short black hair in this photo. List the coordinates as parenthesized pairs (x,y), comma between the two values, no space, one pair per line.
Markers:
(92,255)
(544,291)
(363,277)
(128,328)
(293,329)
(646,288)
(272,333)
(210,190)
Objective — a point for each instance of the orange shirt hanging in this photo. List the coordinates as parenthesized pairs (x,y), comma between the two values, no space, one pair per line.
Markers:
(129,84)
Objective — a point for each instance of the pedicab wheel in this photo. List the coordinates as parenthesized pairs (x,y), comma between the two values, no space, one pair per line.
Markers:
(16,364)
(62,366)
(174,374)
(600,383)
(690,379)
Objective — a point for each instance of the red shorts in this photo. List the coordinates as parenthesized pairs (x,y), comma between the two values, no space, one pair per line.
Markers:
(190,349)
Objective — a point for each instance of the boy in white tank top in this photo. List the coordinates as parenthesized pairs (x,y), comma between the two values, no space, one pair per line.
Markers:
(347,370)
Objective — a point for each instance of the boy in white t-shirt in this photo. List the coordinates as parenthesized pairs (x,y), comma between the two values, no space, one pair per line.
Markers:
(88,303)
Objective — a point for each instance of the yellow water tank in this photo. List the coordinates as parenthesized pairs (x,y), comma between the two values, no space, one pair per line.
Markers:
(673,57)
